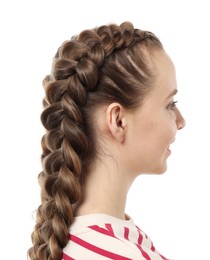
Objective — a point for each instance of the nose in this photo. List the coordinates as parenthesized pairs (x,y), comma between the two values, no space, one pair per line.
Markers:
(180,121)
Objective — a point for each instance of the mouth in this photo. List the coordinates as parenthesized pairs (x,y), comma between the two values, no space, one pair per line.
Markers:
(168,149)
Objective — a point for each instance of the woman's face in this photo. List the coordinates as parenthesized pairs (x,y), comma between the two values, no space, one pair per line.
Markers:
(154,125)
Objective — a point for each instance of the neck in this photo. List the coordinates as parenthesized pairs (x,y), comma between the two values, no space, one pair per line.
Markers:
(105,191)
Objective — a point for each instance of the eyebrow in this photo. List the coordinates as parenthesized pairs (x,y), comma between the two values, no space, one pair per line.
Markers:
(173,93)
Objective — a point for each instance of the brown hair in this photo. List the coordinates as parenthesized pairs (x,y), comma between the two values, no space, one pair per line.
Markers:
(99,66)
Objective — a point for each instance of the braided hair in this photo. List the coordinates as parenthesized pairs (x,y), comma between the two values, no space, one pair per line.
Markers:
(99,66)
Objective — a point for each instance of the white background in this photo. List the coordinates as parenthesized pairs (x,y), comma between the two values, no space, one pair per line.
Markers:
(173,209)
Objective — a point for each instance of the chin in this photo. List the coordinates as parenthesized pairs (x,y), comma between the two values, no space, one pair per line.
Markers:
(162,169)
(158,170)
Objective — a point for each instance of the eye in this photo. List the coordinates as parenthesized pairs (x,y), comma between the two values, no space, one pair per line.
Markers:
(172,105)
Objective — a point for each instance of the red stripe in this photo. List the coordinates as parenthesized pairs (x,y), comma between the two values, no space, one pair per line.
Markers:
(145,255)
(140,239)
(106,231)
(96,249)
(163,257)
(66,257)
(126,233)
(153,248)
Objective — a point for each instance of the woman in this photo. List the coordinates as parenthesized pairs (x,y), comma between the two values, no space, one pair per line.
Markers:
(110,115)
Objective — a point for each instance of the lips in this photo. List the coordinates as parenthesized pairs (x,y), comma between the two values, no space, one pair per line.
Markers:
(169,151)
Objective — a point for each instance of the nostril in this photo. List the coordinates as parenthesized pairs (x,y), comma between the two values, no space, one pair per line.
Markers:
(181,123)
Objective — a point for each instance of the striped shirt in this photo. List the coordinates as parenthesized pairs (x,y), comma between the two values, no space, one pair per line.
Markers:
(103,237)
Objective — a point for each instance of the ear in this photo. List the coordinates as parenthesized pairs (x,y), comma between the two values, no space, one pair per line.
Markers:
(116,121)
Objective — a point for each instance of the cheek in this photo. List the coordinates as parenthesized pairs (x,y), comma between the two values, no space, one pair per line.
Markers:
(162,132)
(154,132)
(168,132)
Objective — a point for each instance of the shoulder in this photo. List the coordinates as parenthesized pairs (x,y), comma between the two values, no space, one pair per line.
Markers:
(98,237)
(95,245)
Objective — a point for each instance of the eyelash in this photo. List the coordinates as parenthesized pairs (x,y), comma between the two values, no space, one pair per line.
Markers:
(172,105)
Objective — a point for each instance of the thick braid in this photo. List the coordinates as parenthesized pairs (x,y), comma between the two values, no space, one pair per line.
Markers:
(67,145)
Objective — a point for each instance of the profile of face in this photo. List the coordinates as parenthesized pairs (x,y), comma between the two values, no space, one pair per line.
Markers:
(153,126)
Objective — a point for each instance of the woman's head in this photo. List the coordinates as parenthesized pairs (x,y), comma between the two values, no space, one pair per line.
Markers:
(152,127)
(96,68)
(110,67)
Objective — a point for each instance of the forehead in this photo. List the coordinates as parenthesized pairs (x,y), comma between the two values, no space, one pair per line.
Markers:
(164,71)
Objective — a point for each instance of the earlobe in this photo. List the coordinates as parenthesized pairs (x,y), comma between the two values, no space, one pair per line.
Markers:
(116,121)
